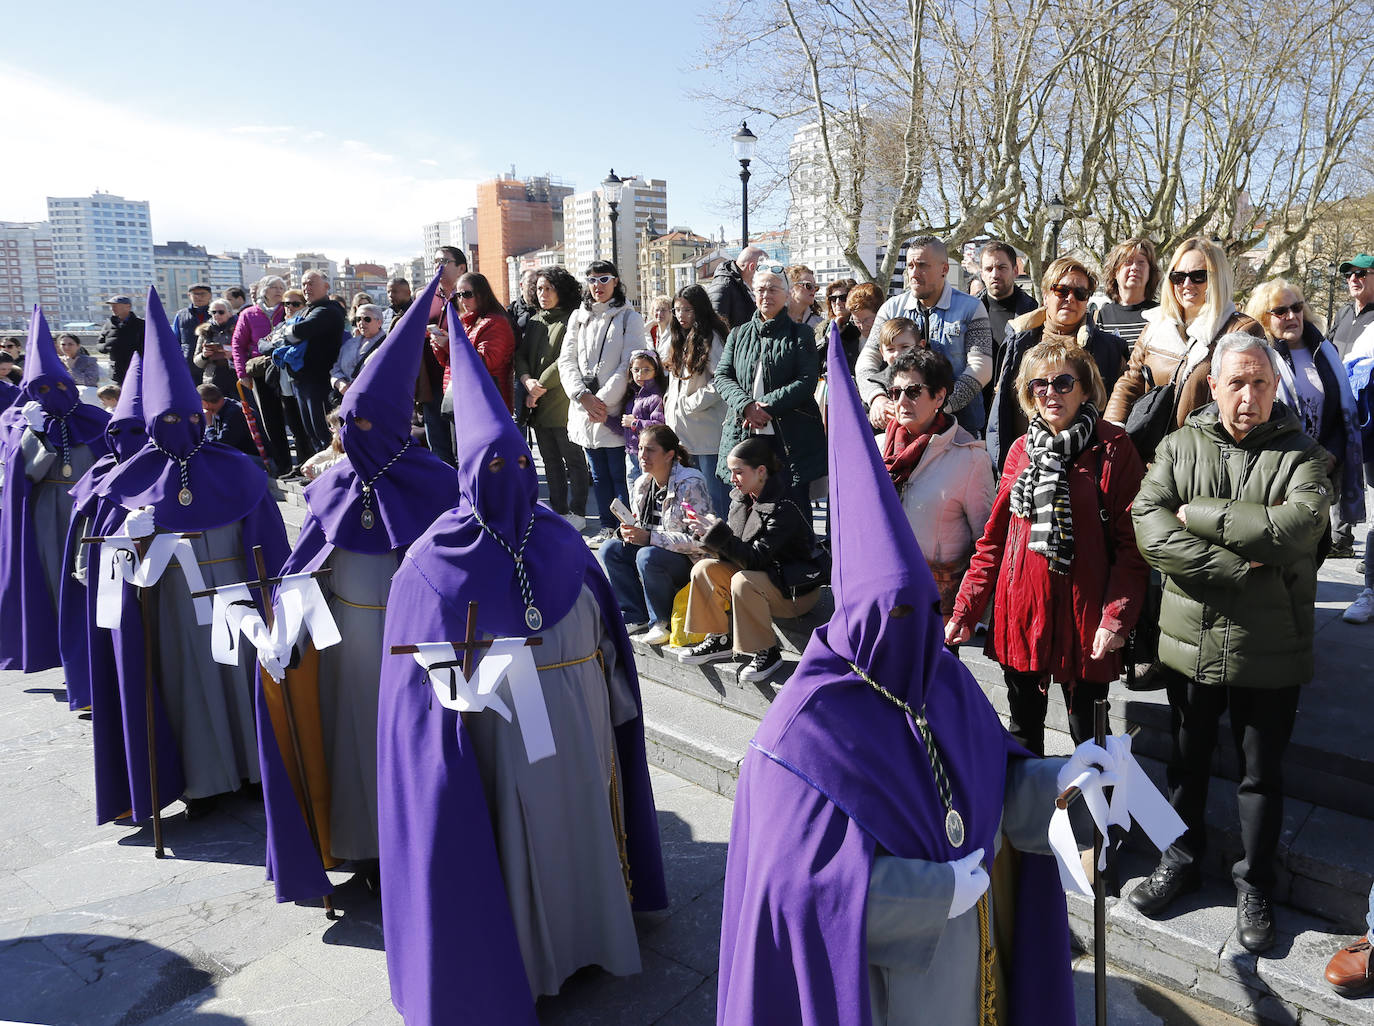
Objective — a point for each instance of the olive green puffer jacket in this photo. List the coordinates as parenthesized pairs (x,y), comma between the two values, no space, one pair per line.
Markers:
(1262,500)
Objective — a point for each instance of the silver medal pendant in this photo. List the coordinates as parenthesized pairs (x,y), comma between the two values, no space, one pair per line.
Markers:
(184,496)
(533,618)
(368,519)
(66,470)
(954,828)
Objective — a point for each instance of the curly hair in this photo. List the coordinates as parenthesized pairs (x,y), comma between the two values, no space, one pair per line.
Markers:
(564,284)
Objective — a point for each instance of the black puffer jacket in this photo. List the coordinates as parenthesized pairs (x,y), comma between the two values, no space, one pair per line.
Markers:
(764,533)
(730,295)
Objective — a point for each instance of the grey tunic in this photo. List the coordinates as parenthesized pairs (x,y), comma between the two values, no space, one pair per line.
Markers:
(923,966)
(552,820)
(210,705)
(350,677)
(50,505)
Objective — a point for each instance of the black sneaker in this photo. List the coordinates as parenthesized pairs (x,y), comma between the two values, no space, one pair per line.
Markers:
(715,648)
(1254,921)
(1342,549)
(762,666)
(1164,885)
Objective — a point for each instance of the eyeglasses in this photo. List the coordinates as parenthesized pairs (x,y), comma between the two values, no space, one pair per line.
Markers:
(1284,311)
(911,392)
(810,286)
(465,293)
(599,279)
(1062,385)
(1078,292)
(1357,273)
(1198,277)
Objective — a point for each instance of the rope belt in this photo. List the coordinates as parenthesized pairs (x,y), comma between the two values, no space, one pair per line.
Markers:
(222,559)
(357,605)
(987,955)
(576,662)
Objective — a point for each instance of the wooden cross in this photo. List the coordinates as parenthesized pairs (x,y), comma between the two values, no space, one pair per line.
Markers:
(470,646)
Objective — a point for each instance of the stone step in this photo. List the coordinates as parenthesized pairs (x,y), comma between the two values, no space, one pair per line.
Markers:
(1192,949)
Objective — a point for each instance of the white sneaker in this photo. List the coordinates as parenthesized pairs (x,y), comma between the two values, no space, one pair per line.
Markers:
(578,522)
(658,635)
(601,537)
(1362,609)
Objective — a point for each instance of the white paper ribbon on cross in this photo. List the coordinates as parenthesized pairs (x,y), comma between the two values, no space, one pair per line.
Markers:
(118,562)
(509,660)
(299,606)
(1134,797)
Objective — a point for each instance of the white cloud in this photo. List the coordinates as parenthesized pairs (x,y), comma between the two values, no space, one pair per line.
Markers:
(258,185)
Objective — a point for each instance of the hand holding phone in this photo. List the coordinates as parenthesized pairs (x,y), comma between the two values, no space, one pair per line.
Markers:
(622,511)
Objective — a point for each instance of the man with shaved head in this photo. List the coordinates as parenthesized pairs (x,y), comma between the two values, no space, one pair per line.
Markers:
(730,288)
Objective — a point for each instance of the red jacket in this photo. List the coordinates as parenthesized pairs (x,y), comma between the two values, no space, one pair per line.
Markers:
(494,340)
(1044,622)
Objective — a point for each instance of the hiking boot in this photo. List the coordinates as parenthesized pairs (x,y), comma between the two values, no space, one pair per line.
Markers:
(1165,884)
(1255,921)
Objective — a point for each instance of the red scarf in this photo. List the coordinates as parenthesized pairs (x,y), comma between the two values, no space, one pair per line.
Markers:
(903,450)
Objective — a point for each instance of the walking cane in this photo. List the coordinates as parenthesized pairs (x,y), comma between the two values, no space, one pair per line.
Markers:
(1067,798)
(252,419)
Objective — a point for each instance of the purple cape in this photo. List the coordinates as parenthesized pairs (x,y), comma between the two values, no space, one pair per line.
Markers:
(28,614)
(836,770)
(415,489)
(450,941)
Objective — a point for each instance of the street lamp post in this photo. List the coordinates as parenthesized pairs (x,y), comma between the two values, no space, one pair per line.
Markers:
(1331,268)
(1056,211)
(610,188)
(744,142)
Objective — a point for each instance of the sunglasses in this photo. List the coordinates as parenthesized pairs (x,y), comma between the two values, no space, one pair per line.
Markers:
(810,286)
(910,392)
(839,297)
(363,320)
(1198,277)
(1284,311)
(599,279)
(1062,385)
(295,303)
(1078,292)
(465,293)
(771,269)
(1356,272)
(219,313)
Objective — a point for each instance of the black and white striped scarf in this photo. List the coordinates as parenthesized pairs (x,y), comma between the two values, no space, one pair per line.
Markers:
(1041,492)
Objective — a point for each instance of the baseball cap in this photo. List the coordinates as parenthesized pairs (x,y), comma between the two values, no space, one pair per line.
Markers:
(199,285)
(120,299)
(1362,262)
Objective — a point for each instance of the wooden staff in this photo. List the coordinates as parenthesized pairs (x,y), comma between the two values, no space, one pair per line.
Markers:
(1067,798)
(469,646)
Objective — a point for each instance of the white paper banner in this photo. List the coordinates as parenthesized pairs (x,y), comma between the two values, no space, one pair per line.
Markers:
(1134,797)
(118,562)
(509,660)
(300,605)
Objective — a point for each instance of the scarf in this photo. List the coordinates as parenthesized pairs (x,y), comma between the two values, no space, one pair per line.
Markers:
(902,451)
(1041,491)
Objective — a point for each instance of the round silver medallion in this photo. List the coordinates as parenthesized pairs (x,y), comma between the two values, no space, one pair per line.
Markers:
(368,519)
(66,470)
(184,496)
(533,618)
(954,828)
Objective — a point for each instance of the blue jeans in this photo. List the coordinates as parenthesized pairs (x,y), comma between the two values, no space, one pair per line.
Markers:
(608,481)
(645,579)
(632,468)
(719,491)
(1369,916)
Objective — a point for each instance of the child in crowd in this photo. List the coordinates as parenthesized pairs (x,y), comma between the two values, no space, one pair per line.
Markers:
(326,458)
(895,337)
(108,396)
(643,402)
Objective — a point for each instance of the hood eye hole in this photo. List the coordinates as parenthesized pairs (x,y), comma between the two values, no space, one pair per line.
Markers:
(522,462)
(903,610)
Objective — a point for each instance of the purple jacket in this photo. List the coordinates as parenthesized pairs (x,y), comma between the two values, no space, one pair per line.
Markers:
(251,327)
(646,408)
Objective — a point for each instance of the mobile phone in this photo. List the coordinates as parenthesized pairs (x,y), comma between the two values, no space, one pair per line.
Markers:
(622,511)
(688,507)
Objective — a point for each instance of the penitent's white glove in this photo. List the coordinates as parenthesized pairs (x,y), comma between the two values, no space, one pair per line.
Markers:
(139,523)
(33,413)
(970,881)
(1089,757)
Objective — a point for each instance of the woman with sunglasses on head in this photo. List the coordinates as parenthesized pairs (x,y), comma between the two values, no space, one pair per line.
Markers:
(1059,549)
(593,367)
(489,330)
(802,306)
(1066,287)
(1195,310)
(941,472)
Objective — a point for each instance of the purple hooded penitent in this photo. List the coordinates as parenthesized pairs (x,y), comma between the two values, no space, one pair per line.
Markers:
(450,942)
(836,770)
(28,606)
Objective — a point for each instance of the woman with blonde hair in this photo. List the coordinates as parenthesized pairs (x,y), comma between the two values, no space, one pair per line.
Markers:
(802,306)
(1059,549)
(1195,310)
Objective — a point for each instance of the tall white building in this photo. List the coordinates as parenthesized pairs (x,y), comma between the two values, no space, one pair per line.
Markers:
(102,244)
(179,265)
(226,270)
(27,273)
(303,262)
(459,231)
(814,237)
(587,228)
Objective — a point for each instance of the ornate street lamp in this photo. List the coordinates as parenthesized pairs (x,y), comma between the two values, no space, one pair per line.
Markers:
(610,189)
(1056,212)
(744,142)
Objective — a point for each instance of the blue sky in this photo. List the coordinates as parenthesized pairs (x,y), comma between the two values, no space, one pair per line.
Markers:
(345,126)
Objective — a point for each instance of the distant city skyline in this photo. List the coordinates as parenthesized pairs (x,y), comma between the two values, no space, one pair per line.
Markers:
(351,163)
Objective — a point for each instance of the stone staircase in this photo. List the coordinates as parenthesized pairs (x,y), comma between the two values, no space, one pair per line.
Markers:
(699,719)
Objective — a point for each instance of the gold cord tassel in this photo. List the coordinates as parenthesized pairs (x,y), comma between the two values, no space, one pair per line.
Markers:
(987,986)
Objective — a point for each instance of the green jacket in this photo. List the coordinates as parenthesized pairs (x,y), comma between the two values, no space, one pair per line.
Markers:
(537,356)
(1264,500)
(788,352)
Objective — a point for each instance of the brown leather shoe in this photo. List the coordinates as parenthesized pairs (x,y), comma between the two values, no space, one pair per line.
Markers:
(1348,970)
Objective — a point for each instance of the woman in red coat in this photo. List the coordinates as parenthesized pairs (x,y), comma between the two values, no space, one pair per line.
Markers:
(489,330)
(1058,548)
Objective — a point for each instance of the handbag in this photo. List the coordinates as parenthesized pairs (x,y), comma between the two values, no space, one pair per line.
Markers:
(803,576)
(1153,414)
